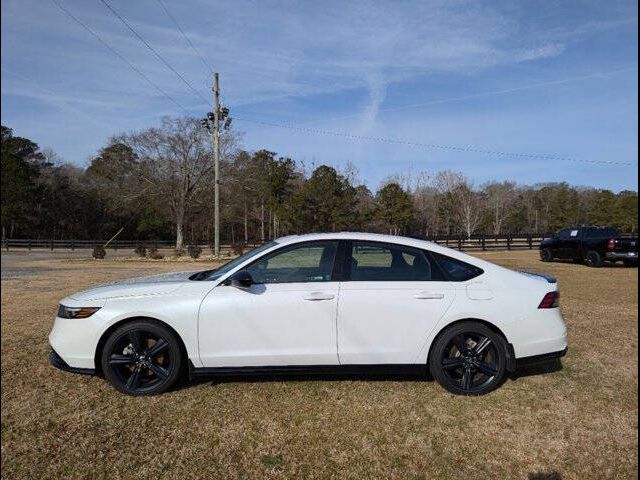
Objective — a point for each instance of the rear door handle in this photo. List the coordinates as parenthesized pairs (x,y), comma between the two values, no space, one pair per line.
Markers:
(315,296)
(429,296)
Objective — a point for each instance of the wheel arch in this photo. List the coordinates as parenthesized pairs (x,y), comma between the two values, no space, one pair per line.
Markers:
(105,335)
(511,358)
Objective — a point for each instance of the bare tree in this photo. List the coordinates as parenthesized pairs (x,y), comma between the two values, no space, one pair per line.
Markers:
(469,206)
(461,200)
(500,196)
(175,161)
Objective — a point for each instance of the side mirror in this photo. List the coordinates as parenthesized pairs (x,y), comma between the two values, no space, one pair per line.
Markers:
(241,279)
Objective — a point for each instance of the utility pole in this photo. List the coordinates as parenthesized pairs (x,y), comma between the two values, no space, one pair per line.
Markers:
(212,124)
(216,187)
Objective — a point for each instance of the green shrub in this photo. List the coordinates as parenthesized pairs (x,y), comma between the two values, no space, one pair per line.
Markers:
(99,252)
(141,250)
(237,248)
(194,251)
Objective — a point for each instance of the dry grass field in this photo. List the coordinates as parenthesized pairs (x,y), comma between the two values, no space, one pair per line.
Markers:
(574,422)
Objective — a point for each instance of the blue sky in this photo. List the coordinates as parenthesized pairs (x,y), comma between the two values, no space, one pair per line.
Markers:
(551,77)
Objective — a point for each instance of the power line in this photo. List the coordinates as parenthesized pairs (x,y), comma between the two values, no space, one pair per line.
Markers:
(352,136)
(155,52)
(538,156)
(208,67)
(119,55)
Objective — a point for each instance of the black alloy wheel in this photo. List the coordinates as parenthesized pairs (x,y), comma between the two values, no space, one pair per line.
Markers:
(141,358)
(546,255)
(593,259)
(469,359)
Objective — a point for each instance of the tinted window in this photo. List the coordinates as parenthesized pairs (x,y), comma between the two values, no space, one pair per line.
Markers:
(564,234)
(372,261)
(307,262)
(599,232)
(457,270)
(215,274)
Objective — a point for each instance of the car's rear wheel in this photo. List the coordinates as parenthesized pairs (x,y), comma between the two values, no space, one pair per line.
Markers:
(142,358)
(593,259)
(469,359)
(546,255)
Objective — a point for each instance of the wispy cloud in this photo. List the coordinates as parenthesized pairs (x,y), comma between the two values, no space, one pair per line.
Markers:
(308,61)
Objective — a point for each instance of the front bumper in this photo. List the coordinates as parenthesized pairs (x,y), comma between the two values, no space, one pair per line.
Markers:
(58,362)
(621,256)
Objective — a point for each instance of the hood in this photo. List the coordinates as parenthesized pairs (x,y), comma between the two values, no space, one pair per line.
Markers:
(132,287)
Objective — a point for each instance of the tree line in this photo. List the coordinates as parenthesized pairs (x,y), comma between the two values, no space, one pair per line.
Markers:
(157,184)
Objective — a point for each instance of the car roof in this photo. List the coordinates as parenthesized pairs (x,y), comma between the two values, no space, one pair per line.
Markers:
(374,237)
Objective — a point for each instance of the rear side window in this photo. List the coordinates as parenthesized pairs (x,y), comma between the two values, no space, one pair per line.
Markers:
(599,233)
(379,262)
(457,270)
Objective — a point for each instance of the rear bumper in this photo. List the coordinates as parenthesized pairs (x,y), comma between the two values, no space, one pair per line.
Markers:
(621,256)
(545,357)
(59,363)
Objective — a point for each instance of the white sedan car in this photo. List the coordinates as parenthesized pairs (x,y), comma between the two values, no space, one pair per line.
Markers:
(345,302)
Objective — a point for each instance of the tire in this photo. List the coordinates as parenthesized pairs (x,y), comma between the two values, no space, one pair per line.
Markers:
(469,358)
(630,263)
(593,259)
(546,255)
(142,358)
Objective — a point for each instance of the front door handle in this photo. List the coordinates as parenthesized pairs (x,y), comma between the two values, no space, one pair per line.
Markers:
(429,296)
(315,296)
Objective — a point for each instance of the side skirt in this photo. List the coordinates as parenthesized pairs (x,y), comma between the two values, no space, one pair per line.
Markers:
(392,369)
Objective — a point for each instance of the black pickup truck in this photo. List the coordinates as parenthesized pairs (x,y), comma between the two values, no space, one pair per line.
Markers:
(591,245)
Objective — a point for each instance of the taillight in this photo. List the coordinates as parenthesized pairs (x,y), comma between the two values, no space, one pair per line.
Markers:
(611,245)
(550,300)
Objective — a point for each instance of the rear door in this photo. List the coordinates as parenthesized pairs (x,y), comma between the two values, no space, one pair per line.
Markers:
(568,243)
(390,300)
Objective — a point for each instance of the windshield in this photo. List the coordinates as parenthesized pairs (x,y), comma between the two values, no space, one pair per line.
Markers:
(217,273)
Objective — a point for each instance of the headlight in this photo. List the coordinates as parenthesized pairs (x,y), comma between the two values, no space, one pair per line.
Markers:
(76,312)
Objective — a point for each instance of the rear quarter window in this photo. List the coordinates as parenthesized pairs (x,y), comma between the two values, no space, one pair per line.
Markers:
(456,270)
(599,233)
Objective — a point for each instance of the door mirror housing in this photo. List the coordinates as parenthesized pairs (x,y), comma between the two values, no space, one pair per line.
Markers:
(241,279)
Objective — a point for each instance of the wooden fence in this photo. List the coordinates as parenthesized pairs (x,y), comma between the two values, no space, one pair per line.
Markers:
(475,243)
(488,242)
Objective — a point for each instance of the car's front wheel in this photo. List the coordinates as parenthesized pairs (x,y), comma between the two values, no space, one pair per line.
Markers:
(142,358)
(469,359)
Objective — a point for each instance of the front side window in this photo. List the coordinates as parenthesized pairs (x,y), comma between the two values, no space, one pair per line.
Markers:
(372,261)
(307,262)
(457,270)
(227,267)
(564,234)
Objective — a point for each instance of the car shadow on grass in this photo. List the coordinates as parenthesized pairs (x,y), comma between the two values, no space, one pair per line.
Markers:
(543,368)
(215,380)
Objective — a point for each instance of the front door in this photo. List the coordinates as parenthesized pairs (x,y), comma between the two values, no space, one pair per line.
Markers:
(393,300)
(287,317)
